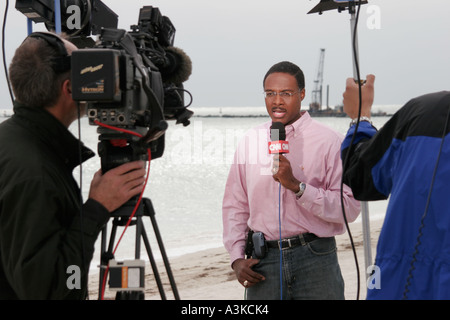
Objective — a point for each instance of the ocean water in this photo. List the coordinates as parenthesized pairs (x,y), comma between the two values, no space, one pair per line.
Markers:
(186,184)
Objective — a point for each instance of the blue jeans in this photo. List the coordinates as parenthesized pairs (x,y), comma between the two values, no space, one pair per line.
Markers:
(310,271)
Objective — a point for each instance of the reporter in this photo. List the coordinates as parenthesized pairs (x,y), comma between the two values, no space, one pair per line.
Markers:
(308,182)
(44,225)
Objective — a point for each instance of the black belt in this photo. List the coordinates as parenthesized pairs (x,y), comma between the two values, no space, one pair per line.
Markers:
(301,239)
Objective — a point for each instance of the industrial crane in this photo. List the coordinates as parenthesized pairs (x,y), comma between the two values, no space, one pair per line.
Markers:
(316,100)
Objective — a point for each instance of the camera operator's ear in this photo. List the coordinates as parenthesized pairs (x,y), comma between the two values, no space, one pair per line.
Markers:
(66,88)
(69,86)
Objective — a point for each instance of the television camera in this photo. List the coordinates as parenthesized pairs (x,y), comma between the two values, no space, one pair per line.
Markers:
(132,80)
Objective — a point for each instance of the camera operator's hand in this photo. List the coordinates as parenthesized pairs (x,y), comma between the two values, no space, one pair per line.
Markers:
(244,273)
(118,185)
(351,97)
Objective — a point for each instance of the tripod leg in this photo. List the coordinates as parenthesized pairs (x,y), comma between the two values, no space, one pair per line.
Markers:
(137,248)
(153,264)
(105,256)
(149,207)
(102,270)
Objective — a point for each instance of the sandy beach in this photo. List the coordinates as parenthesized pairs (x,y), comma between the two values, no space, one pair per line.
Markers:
(206,275)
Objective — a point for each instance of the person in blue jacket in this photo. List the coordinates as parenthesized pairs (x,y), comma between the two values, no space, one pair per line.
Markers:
(407,160)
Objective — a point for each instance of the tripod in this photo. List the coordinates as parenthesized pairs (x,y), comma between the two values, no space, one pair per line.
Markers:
(121,217)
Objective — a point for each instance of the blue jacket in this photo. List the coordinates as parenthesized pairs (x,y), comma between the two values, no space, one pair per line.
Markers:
(399,161)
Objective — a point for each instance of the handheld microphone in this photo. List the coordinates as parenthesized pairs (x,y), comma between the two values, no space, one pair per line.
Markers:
(278,145)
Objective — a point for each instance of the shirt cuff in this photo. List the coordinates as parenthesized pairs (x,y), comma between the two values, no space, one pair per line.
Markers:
(365,131)
(236,253)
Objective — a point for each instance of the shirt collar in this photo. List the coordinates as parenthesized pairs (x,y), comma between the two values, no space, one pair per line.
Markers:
(295,128)
(299,125)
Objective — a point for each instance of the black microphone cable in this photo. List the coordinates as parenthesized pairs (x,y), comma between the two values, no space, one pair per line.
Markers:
(350,150)
(4,52)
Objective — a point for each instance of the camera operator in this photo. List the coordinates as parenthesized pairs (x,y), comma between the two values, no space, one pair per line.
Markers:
(44,225)
(407,160)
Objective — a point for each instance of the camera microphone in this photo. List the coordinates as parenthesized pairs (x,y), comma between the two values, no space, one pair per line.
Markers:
(278,145)
(179,66)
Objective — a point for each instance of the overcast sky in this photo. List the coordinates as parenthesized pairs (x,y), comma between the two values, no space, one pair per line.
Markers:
(405,43)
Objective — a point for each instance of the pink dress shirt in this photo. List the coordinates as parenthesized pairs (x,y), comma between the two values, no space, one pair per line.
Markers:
(251,198)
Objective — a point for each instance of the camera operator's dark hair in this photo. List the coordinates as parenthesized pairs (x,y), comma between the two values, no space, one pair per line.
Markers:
(33,79)
(289,68)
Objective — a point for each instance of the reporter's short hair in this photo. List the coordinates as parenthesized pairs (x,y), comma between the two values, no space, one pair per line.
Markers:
(289,68)
(33,79)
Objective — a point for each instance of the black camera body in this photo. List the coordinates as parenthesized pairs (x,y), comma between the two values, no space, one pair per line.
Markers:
(132,80)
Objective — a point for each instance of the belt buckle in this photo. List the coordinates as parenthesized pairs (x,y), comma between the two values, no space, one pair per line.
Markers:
(280,243)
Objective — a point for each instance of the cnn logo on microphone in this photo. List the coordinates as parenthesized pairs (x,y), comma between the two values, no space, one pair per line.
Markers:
(276,147)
